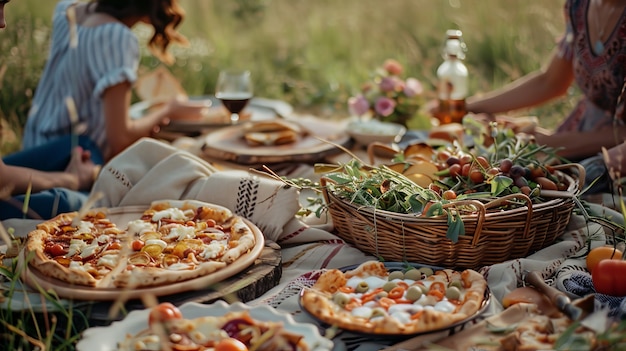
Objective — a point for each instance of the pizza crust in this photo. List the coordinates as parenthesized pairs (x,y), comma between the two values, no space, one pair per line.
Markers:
(38,260)
(152,276)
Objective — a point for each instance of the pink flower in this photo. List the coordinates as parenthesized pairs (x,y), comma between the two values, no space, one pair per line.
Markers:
(358,105)
(413,87)
(393,67)
(384,106)
(387,84)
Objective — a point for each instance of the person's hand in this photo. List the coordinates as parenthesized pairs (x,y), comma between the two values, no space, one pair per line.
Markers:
(83,168)
(183,109)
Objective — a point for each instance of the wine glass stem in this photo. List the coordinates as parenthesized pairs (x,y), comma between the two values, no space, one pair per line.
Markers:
(234,118)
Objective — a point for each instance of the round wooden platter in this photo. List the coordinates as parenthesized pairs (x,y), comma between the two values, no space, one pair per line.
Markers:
(228,144)
(35,278)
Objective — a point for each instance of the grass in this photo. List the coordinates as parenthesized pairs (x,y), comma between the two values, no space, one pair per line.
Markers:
(313,54)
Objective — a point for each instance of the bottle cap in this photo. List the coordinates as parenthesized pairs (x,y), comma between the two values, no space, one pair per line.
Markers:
(454,34)
(459,52)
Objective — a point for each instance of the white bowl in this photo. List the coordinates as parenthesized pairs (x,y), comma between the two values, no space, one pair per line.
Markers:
(367,132)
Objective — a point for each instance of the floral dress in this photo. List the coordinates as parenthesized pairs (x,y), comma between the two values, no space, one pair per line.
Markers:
(600,76)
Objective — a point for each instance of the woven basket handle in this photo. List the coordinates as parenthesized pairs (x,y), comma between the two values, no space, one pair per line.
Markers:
(578,169)
(482,212)
(507,200)
(323,182)
(378,146)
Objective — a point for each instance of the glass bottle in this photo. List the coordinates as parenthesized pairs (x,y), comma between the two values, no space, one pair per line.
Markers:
(452,75)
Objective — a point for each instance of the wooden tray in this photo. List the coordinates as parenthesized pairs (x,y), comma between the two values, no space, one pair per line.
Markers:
(227,144)
(120,216)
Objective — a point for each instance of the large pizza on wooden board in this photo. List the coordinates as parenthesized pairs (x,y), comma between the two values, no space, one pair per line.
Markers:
(371,299)
(170,242)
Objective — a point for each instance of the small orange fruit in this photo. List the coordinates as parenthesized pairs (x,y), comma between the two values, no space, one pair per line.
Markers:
(600,253)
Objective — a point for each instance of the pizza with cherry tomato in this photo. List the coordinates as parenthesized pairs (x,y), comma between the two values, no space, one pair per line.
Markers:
(234,331)
(170,242)
(373,299)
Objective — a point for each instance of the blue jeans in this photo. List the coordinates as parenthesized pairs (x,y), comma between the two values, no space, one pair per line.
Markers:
(51,157)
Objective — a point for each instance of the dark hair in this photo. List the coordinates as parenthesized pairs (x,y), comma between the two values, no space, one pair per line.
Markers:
(163,15)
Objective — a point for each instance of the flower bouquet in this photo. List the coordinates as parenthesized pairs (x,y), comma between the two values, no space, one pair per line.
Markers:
(388,97)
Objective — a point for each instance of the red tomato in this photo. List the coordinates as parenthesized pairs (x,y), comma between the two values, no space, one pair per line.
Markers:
(608,277)
(164,312)
(449,195)
(230,344)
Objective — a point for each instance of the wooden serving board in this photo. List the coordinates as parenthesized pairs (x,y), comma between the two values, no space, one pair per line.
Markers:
(228,144)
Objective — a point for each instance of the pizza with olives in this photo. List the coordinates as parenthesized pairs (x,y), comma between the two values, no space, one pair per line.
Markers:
(167,243)
(168,329)
(373,299)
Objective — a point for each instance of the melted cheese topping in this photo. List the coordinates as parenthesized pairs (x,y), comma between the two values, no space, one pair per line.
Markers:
(214,249)
(172,213)
(137,227)
(89,250)
(108,261)
(76,246)
(181,232)
(83,227)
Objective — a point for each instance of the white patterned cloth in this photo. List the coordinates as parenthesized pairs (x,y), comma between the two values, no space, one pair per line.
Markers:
(150,170)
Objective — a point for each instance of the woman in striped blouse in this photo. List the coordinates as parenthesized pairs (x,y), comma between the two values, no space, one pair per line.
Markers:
(91,67)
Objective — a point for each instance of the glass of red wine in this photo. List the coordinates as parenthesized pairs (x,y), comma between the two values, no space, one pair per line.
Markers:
(234,90)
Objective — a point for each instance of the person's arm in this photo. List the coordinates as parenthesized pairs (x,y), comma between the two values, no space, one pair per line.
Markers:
(533,89)
(79,175)
(122,131)
(617,159)
(578,145)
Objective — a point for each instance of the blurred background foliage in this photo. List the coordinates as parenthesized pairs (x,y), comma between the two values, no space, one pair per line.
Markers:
(313,54)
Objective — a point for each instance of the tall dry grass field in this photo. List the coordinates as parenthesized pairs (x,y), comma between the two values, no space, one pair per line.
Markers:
(315,53)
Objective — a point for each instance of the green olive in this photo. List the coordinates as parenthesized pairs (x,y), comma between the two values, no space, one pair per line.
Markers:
(378,312)
(456,283)
(413,274)
(424,288)
(362,287)
(413,293)
(382,294)
(389,285)
(427,271)
(341,299)
(396,275)
(453,293)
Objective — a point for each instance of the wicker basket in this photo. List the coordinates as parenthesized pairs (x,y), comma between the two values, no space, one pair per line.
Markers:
(491,235)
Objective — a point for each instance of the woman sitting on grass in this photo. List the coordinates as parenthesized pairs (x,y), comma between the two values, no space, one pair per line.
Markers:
(92,64)
(83,99)
(592,52)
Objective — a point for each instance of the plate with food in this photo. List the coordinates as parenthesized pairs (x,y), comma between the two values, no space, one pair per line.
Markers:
(194,326)
(274,141)
(168,247)
(160,85)
(215,114)
(396,300)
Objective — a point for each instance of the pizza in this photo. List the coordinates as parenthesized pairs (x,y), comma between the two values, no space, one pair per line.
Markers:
(235,330)
(372,299)
(169,242)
